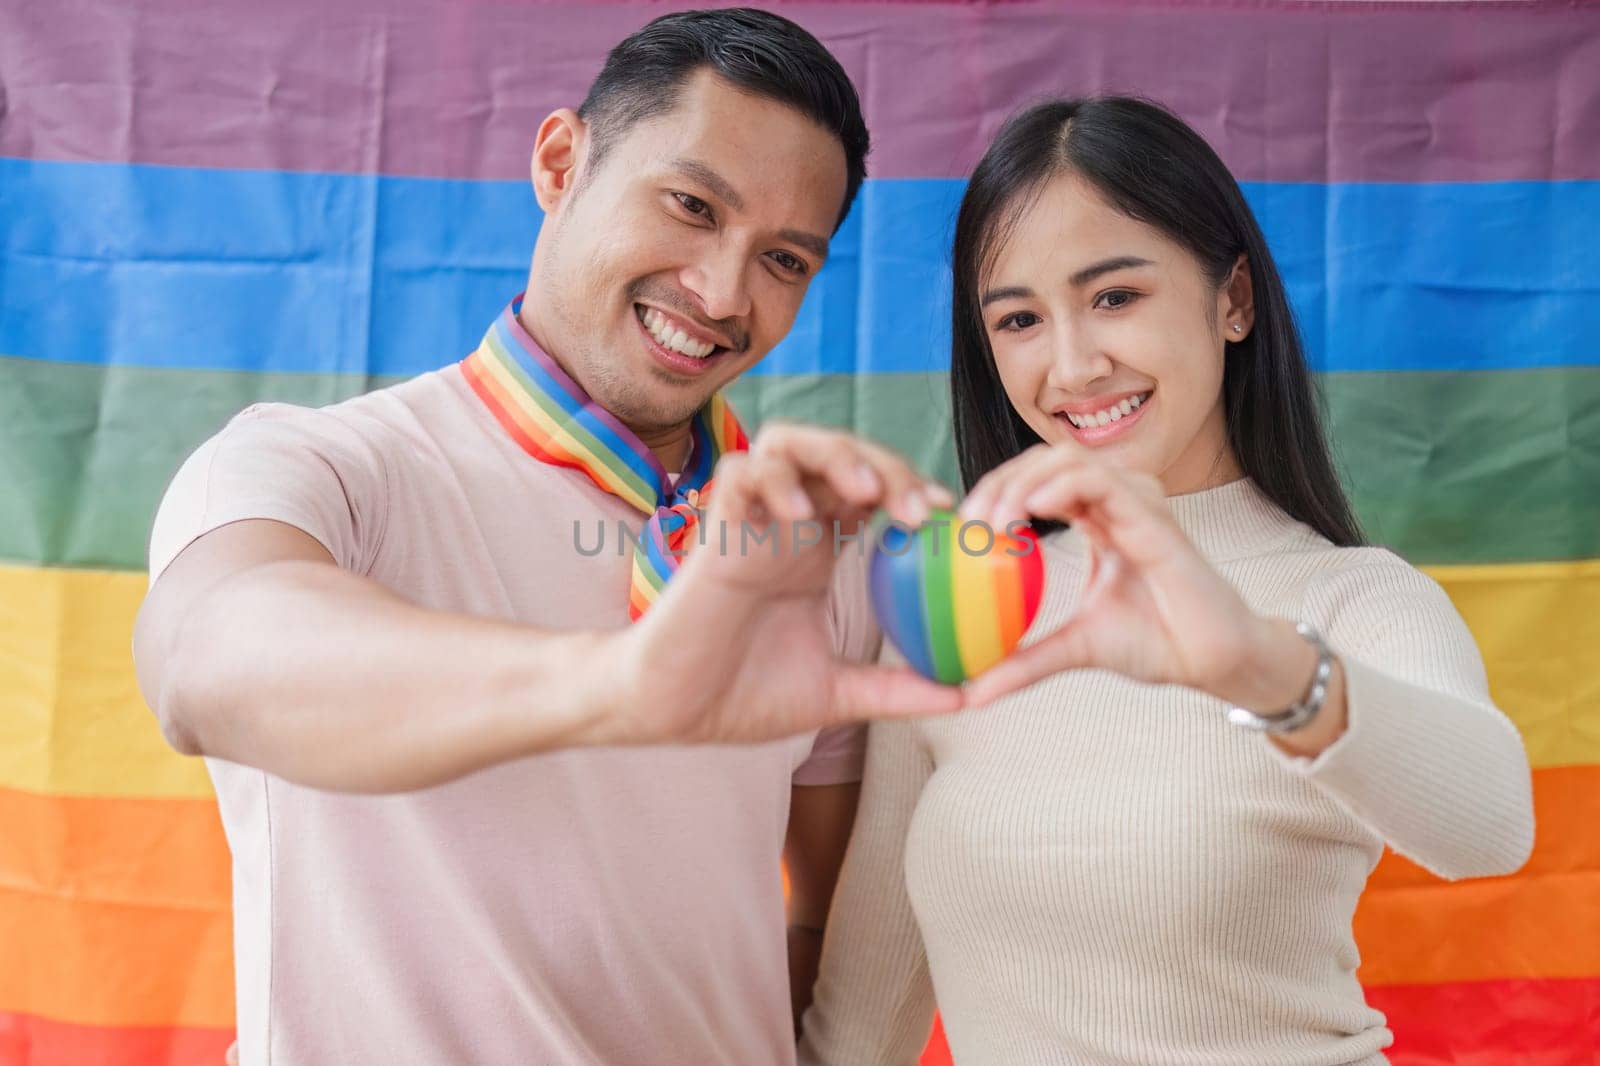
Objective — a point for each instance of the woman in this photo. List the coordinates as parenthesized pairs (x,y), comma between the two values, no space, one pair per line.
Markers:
(1153,854)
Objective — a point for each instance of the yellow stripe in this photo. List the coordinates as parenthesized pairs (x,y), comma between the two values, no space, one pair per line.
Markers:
(1538,626)
(72,721)
(977,606)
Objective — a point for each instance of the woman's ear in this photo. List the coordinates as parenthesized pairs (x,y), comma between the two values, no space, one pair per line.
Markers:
(1237,302)
(558,150)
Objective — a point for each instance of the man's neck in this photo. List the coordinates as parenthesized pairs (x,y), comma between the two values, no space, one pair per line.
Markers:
(671,446)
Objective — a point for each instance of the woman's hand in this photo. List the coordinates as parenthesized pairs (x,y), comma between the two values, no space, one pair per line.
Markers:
(1152,609)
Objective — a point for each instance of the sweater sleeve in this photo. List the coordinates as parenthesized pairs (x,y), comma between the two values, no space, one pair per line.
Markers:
(873,1003)
(1427,761)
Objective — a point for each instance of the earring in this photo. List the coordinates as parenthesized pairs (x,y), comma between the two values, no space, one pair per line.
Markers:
(1238,328)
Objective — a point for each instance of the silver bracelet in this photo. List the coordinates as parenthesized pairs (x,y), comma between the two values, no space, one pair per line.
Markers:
(1298,714)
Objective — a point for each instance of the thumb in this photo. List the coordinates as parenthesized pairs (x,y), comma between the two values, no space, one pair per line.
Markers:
(862,692)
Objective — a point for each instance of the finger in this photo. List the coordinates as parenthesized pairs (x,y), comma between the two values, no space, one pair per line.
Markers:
(1023,476)
(231,1058)
(824,454)
(780,490)
(860,470)
(734,495)
(865,692)
(1066,649)
(1057,466)
(981,498)
(1121,509)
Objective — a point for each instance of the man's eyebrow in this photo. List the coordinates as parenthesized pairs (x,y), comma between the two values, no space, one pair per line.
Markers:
(1106,266)
(1014,292)
(710,179)
(817,246)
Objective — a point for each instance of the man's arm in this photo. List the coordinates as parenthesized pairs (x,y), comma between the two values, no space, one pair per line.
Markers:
(820,819)
(255,648)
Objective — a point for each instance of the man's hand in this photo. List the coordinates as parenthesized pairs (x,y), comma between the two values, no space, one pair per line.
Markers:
(738,648)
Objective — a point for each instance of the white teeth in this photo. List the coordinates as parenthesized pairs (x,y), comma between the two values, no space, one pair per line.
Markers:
(1115,413)
(668,336)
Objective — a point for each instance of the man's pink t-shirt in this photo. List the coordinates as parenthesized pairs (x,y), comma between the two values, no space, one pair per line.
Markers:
(592,906)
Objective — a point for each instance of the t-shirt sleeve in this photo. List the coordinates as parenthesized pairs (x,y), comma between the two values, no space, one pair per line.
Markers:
(306,468)
(839,753)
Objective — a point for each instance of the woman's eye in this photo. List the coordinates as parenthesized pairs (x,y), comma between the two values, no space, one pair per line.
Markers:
(1016,321)
(693,204)
(1116,299)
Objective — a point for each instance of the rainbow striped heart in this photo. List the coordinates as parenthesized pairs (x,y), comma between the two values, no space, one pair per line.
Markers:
(955,597)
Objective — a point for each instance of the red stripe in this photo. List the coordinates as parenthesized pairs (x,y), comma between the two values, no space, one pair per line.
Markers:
(1032,570)
(28,1040)
(1548,1022)
(1475,1023)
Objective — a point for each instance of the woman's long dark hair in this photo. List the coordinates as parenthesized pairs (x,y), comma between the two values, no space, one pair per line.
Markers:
(1153,168)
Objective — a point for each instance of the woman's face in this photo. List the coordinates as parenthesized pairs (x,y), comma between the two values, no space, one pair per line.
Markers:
(1108,336)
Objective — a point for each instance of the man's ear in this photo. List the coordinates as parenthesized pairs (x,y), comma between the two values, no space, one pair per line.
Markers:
(558,152)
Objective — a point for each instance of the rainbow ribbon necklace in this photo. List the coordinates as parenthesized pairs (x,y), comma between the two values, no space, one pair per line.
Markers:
(554,420)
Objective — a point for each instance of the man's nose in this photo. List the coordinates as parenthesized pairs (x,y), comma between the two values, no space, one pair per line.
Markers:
(719,280)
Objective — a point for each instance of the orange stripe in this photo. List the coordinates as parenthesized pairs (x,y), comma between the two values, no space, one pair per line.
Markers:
(28,1040)
(162,851)
(1008,598)
(1543,921)
(115,911)
(115,963)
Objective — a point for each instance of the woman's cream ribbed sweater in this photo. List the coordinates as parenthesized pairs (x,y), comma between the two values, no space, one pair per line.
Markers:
(1100,871)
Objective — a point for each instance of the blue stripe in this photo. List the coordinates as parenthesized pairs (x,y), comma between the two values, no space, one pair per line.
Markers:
(895,579)
(266,270)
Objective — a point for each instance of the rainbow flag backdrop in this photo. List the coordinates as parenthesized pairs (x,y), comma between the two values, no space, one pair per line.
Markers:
(207,205)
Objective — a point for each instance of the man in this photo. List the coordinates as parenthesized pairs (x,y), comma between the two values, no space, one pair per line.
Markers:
(425,710)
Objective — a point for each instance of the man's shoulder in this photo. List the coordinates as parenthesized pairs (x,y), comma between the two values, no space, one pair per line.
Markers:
(374,422)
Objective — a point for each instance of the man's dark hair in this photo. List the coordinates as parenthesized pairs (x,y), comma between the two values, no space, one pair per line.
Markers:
(757,51)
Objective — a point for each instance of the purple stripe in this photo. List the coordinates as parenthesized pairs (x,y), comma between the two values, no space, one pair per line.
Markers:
(1286,91)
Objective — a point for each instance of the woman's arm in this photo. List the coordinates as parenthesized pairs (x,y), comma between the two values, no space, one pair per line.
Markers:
(1424,758)
(1409,741)
(874,998)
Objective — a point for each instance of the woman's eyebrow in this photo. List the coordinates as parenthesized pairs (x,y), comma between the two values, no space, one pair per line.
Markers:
(1106,266)
(1014,292)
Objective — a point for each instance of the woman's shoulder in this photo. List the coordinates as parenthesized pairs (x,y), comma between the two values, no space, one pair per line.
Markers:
(1373,590)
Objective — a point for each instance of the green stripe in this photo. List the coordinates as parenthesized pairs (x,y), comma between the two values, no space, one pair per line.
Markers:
(1486,467)
(935,560)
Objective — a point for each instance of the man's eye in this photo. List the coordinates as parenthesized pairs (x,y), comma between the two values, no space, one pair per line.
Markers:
(790,262)
(1016,321)
(693,204)
(1115,299)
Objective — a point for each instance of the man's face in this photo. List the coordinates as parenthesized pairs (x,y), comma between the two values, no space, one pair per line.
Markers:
(681,260)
